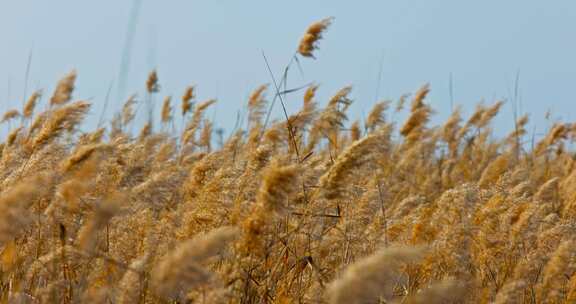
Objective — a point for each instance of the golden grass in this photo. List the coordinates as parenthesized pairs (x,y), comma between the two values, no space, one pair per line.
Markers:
(311,210)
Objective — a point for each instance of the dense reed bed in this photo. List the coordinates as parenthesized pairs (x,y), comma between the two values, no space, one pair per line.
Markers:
(313,208)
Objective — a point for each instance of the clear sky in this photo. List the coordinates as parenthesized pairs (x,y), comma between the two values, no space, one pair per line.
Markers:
(217,45)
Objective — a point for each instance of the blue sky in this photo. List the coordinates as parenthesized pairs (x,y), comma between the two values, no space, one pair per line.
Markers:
(217,46)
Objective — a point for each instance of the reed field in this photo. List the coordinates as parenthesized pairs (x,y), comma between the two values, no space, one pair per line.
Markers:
(312,207)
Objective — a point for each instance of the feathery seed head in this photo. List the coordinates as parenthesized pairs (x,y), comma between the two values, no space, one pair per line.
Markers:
(31,104)
(152,85)
(187,98)
(309,41)
(64,88)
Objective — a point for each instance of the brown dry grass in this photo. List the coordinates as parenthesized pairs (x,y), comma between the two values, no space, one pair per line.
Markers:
(365,214)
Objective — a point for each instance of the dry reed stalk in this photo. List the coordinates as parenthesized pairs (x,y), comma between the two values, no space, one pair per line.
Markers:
(448,291)
(15,215)
(309,42)
(189,133)
(128,111)
(333,181)
(511,293)
(257,105)
(494,170)
(103,213)
(376,116)
(9,115)
(355,132)
(80,155)
(145,132)
(489,114)
(372,277)
(418,100)
(31,104)
(131,286)
(187,98)
(557,133)
(63,92)
(278,183)
(12,136)
(181,270)
(152,85)
(205,139)
(166,110)
(61,119)
(557,272)
(309,95)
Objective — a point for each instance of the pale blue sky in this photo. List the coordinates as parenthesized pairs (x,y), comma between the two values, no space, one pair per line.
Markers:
(217,46)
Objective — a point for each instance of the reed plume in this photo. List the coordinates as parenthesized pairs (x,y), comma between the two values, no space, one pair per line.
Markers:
(132,282)
(15,215)
(376,116)
(127,110)
(332,182)
(372,277)
(181,270)
(81,155)
(9,115)
(187,98)
(63,92)
(309,42)
(12,136)
(61,119)
(277,185)
(189,133)
(489,114)
(166,110)
(31,104)
(103,213)
(448,291)
(152,85)
(420,113)
(257,105)
(558,270)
